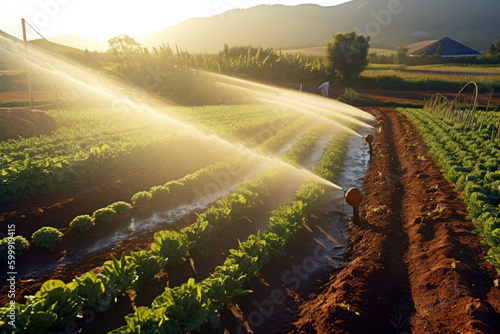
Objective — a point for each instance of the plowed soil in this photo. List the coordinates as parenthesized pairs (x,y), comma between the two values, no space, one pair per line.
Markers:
(15,122)
(414,264)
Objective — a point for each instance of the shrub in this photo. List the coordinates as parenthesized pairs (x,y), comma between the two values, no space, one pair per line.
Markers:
(82,223)
(160,193)
(142,197)
(104,215)
(18,244)
(47,237)
(120,208)
(350,96)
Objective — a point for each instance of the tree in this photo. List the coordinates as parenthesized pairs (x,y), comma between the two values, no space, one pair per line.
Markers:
(438,52)
(401,55)
(492,51)
(124,48)
(347,55)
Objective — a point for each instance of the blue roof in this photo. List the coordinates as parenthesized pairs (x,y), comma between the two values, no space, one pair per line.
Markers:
(449,48)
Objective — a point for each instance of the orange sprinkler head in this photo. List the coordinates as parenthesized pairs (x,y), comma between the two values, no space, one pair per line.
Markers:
(369,138)
(353,197)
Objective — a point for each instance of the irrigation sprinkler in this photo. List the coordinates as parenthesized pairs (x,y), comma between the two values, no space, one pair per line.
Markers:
(369,139)
(354,197)
(380,125)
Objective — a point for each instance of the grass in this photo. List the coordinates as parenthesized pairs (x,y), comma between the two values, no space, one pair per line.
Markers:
(320,51)
(350,96)
(23,103)
(449,77)
(450,73)
(10,72)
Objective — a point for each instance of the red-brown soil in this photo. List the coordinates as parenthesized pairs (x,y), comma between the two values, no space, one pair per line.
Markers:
(15,122)
(59,208)
(398,96)
(414,264)
(37,95)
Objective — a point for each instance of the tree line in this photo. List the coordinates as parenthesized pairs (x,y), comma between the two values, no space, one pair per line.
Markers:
(345,59)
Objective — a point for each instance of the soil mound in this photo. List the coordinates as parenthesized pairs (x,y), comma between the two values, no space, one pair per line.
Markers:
(15,122)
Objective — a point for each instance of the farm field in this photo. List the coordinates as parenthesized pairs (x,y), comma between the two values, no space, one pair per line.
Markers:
(443,78)
(436,72)
(177,200)
(409,210)
(416,266)
(275,129)
(320,51)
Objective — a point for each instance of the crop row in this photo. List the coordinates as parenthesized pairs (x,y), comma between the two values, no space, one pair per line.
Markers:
(94,143)
(305,144)
(57,304)
(167,196)
(132,271)
(187,189)
(470,159)
(273,144)
(193,307)
(241,121)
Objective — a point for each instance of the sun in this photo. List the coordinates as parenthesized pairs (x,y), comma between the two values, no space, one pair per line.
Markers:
(110,19)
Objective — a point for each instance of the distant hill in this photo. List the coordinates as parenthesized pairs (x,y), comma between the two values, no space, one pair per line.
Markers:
(12,61)
(8,59)
(474,24)
(80,42)
(54,47)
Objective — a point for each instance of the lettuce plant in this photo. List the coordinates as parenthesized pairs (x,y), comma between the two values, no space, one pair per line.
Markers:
(121,274)
(120,207)
(18,245)
(104,215)
(82,223)
(47,237)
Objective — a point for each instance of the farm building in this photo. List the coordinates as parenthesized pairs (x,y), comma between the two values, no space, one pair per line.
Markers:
(446,47)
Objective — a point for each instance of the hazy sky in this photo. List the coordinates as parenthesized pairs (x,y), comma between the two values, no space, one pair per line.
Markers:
(103,19)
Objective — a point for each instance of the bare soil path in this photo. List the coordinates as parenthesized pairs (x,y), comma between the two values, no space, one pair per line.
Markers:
(414,265)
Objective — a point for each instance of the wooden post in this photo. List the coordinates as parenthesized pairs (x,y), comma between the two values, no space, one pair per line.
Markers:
(30,91)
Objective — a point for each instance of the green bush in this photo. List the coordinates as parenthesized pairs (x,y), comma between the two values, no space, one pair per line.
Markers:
(104,215)
(160,193)
(18,245)
(82,223)
(47,237)
(142,197)
(120,208)
(350,96)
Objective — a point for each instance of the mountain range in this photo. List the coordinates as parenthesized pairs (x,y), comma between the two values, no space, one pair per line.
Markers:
(389,23)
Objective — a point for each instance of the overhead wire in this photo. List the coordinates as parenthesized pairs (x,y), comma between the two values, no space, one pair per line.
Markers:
(51,43)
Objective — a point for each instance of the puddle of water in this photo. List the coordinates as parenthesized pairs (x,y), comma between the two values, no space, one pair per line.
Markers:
(333,242)
(136,227)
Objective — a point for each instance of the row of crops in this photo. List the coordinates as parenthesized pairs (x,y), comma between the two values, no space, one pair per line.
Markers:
(191,306)
(467,148)
(95,143)
(175,192)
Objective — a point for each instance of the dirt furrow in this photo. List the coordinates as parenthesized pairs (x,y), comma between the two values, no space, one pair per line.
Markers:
(452,284)
(414,264)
